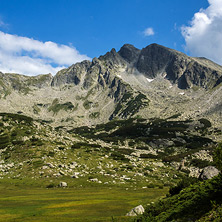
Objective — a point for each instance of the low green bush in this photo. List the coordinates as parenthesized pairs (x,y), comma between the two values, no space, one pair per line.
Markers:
(185,182)
(119,156)
(190,204)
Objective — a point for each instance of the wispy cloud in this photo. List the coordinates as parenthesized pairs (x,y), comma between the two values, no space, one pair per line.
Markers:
(148,31)
(203,36)
(28,56)
(1,23)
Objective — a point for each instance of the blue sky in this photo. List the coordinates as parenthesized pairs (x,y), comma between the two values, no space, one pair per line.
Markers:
(34,32)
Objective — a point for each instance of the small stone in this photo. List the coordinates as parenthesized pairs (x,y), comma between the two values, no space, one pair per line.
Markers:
(94,180)
(72,167)
(49,165)
(61,173)
(75,175)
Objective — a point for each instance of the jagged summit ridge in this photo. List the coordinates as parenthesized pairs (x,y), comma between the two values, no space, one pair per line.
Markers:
(150,61)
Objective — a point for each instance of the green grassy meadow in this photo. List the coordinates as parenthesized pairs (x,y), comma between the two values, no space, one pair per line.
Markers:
(71,204)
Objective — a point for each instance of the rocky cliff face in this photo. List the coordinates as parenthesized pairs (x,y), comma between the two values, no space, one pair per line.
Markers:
(150,82)
(183,70)
(72,75)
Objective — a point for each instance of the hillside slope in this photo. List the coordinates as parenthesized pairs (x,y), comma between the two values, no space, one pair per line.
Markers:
(198,202)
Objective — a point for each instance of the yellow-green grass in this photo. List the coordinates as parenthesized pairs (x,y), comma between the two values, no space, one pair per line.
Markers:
(71,204)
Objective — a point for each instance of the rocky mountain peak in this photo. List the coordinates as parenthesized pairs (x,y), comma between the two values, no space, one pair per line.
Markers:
(154,59)
(129,53)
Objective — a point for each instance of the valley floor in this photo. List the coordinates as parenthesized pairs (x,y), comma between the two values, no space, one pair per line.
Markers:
(26,203)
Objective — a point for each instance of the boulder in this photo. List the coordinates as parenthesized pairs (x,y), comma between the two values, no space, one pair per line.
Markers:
(209,172)
(136,211)
(63,184)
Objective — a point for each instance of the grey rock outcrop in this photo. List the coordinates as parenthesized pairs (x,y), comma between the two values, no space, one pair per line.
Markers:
(194,172)
(71,75)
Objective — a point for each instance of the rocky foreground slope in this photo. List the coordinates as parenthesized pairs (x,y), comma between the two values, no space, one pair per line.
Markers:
(133,152)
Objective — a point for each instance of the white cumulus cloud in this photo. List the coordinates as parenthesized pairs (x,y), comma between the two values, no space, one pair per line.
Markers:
(31,57)
(148,31)
(203,36)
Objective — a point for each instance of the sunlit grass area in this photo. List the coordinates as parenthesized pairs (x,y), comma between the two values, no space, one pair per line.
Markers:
(71,204)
